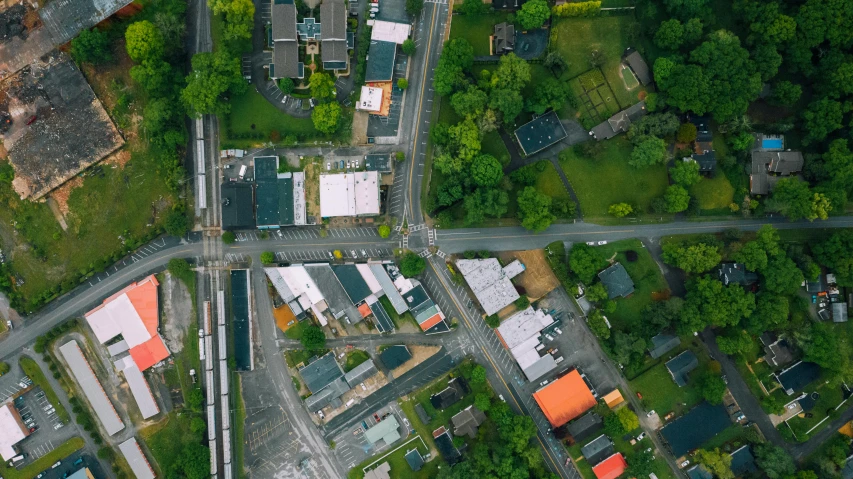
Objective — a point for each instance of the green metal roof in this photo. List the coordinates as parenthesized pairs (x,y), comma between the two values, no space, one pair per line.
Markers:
(266,192)
(285,199)
(380,61)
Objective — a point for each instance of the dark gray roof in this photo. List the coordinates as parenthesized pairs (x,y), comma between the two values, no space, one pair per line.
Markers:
(238,213)
(359,373)
(597,450)
(422,414)
(798,376)
(320,373)
(662,344)
(380,61)
(394,356)
(540,133)
(839,312)
(504,37)
(327,395)
(467,421)
(283,20)
(267,191)
(680,366)
(707,161)
(417,299)
(729,273)
(742,461)
(699,472)
(381,163)
(380,317)
(453,393)
(352,281)
(336,297)
(285,60)
(584,426)
(445,446)
(616,280)
(639,67)
(779,163)
(619,122)
(693,429)
(415,460)
(847,470)
(334,32)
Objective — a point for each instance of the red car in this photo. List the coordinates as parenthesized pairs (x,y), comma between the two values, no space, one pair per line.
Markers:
(31,120)
(376,416)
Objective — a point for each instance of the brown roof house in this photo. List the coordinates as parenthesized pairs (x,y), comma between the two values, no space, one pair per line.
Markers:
(466,421)
(503,40)
(619,123)
(771,162)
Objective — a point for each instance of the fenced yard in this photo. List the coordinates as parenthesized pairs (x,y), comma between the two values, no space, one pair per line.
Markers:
(595,97)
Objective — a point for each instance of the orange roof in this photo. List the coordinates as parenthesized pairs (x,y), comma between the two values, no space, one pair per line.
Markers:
(564,399)
(432,321)
(149,353)
(613,398)
(611,468)
(143,297)
(364,309)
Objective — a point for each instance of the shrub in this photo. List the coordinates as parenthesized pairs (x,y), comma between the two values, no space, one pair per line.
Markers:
(493,321)
(228,237)
(522,302)
(384,231)
(580,9)
(267,257)
(411,264)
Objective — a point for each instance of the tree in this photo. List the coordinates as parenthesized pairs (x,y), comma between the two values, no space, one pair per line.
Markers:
(596,293)
(143,42)
(640,464)
(821,118)
(486,170)
(197,425)
(717,463)
(659,124)
(176,223)
(767,60)
(478,375)
(473,7)
(456,58)
(402,83)
(629,420)
(648,151)
(411,264)
(838,161)
(670,34)
(513,72)
(775,462)
(322,86)
(92,46)
(228,237)
(736,342)
(550,93)
(693,31)
(533,14)
(685,173)
(613,426)
(786,93)
(660,315)
(794,199)
(409,47)
(482,401)
(508,102)
(534,209)
(267,257)
(213,75)
(713,387)
(493,320)
(782,276)
(195,461)
(414,7)
(470,103)
(597,325)
(620,210)
(836,252)
(554,61)
(710,303)
(752,255)
(822,346)
(677,199)
(523,302)
(585,261)
(384,231)
(326,117)
(695,258)
(313,338)
(485,202)
(239,15)
(686,133)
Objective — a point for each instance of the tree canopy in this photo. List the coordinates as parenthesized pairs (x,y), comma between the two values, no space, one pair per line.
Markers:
(213,75)
(411,264)
(533,14)
(694,258)
(326,117)
(585,261)
(534,209)
(710,303)
(648,151)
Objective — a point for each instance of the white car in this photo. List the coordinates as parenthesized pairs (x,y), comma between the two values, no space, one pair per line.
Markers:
(651,413)
(641,436)
(590,243)
(354,254)
(501,397)
(558,330)
(543,382)
(792,406)
(549,337)
(328,166)
(685,463)
(601,243)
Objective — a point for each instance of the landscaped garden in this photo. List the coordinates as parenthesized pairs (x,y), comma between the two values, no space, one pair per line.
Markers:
(596,99)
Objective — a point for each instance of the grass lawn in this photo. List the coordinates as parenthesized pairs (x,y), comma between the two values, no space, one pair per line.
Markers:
(608,179)
(44,462)
(397,460)
(476,29)
(713,193)
(253,118)
(660,392)
(549,182)
(597,100)
(165,440)
(295,356)
(492,144)
(647,280)
(35,373)
(825,406)
(354,358)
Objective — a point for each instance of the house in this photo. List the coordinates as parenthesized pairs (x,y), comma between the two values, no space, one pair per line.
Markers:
(333,33)
(611,468)
(285,42)
(619,123)
(12,431)
(565,399)
(839,312)
(617,282)
(743,461)
(349,194)
(238,203)
(613,399)
(490,282)
(415,460)
(422,414)
(680,366)
(771,162)
(136,459)
(387,430)
(777,352)
(638,65)
(358,374)
(585,426)
(279,197)
(467,421)
(699,472)
(662,344)
(695,428)
(381,471)
(456,389)
(444,444)
(597,450)
(737,273)
(798,376)
(381,57)
(847,470)
(540,133)
(395,356)
(503,40)
(520,334)
(321,372)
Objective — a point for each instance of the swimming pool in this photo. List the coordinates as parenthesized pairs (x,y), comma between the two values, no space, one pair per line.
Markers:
(772,143)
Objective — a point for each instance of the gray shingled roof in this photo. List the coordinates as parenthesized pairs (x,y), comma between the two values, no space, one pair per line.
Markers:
(680,366)
(780,163)
(639,67)
(585,426)
(662,344)
(333,31)
(504,37)
(283,20)
(597,450)
(360,373)
(285,59)
(616,280)
(321,373)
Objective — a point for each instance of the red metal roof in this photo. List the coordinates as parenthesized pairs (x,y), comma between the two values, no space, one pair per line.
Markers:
(432,321)
(611,468)
(149,353)
(564,399)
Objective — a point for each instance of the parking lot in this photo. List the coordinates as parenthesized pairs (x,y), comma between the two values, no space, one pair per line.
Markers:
(46,430)
(71,464)
(351,447)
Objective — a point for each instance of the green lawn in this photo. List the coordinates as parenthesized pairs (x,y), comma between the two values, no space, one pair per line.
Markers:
(659,391)
(399,467)
(830,397)
(713,193)
(476,29)
(492,144)
(295,356)
(253,119)
(608,179)
(44,462)
(35,373)
(354,358)
(166,440)
(647,280)
(595,97)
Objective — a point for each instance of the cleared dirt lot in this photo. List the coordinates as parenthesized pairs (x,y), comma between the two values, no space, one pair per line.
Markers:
(537,279)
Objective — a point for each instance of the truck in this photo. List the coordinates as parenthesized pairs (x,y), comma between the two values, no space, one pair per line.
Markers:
(243,171)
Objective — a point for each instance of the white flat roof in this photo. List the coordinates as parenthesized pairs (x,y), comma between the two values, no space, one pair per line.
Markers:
(139,389)
(299,198)
(522,326)
(300,283)
(370,99)
(369,278)
(390,31)
(118,317)
(12,432)
(349,194)
(137,461)
(91,387)
(367,193)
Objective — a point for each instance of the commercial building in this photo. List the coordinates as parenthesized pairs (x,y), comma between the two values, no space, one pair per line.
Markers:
(349,194)
(12,431)
(387,430)
(389,31)
(285,41)
(426,312)
(540,133)
(136,459)
(91,387)
(617,282)
(238,204)
(280,197)
(521,334)
(381,58)
(371,100)
(325,379)
(490,282)
(138,387)
(565,399)
(132,313)
(359,373)
(695,428)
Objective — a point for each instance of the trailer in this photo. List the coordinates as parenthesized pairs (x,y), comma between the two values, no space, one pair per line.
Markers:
(208,348)
(220,304)
(226,450)
(208,328)
(199,128)
(201,191)
(223,343)
(226,414)
(200,160)
(223,377)
(201,349)
(209,380)
(227,468)
(214,458)
(211,422)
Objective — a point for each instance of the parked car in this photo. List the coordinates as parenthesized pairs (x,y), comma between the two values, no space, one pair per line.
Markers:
(558,330)
(685,463)
(312,102)
(602,243)
(590,243)
(650,413)
(641,436)
(501,397)
(328,166)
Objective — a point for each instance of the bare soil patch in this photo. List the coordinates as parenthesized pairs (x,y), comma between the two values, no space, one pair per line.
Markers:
(419,355)
(537,278)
